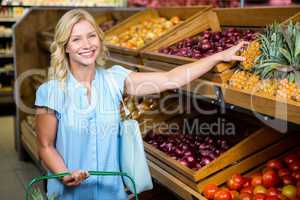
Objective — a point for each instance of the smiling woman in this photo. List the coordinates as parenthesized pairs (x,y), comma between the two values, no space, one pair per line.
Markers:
(78,115)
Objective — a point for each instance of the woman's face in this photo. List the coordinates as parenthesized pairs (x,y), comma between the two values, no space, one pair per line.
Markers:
(84,44)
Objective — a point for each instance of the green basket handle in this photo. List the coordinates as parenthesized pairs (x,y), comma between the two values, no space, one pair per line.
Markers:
(92,173)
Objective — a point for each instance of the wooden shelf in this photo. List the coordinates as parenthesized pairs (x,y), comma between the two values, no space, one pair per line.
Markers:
(6,95)
(28,137)
(6,90)
(173,183)
(257,104)
(8,19)
(6,56)
(6,37)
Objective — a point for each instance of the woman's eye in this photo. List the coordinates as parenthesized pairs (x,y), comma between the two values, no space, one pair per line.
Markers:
(92,36)
(75,39)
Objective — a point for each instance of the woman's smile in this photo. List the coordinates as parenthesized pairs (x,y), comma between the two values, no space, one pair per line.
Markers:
(87,54)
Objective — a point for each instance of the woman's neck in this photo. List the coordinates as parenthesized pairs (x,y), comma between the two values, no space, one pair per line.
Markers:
(84,74)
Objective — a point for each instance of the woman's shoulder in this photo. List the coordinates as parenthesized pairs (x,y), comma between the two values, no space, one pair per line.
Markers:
(50,94)
(117,69)
(51,83)
(50,86)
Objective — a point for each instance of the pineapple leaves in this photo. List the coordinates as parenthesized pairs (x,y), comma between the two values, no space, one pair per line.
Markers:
(280,53)
(266,71)
(286,54)
(297,43)
(297,78)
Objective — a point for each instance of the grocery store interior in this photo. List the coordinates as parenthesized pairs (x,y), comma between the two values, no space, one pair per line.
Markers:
(231,134)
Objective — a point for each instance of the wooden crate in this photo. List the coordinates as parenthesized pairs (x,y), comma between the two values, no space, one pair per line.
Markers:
(242,18)
(28,138)
(294,19)
(132,55)
(279,157)
(275,152)
(259,146)
(45,37)
(259,103)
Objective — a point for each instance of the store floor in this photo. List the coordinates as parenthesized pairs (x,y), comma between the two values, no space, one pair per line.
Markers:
(14,174)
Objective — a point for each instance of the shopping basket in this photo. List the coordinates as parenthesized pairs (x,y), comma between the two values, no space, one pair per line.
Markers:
(92,173)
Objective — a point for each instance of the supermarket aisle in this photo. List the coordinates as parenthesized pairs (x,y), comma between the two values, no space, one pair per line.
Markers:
(14,174)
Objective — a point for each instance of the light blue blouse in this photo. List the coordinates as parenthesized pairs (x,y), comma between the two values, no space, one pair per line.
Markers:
(87,133)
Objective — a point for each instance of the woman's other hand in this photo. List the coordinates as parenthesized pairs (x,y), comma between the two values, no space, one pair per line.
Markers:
(75,178)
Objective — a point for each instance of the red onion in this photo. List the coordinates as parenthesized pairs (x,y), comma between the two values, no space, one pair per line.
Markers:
(187,153)
(205,161)
(192,151)
(183,162)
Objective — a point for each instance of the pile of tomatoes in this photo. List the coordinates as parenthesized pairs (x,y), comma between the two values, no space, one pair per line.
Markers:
(279,180)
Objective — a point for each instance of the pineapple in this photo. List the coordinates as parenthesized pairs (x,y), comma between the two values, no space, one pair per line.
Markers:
(296,95)
(280,59)
(268,87)
(286,89)
(251,53)
(239,79)
(252,83)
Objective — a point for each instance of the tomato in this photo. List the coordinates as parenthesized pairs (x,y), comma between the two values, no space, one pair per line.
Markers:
(246,196)
(235,182)
(247,190)
(295,166)
(235,195)
(282,197)
(283,172)
(272,198)
(274,164)
(273,192)
(247,182)
(288,180)
(289,191)
(256,180)
(289,159)
(298,153)
(260,196)
(296,174)
(210,190)
(223,194)
(298,191)
(259,189)
(270,178)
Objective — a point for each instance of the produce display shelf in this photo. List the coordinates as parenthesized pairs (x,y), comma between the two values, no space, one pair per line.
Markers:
(240,18)
(45,37)
(257,104)
(254,170)
(6,56)
(8,19)
(28,137)
(249,152)
(259,146)
(133,55)
(173,183)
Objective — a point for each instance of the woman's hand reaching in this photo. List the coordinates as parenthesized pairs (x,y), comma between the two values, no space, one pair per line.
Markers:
(231,53)
(75,178)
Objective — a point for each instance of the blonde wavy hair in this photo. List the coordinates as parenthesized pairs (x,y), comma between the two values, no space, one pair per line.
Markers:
(59,64)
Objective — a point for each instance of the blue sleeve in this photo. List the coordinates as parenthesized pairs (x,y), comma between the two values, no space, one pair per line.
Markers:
(119,75)
(49,95)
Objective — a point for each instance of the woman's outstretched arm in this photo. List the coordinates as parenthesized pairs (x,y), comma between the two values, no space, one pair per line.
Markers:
(140,83)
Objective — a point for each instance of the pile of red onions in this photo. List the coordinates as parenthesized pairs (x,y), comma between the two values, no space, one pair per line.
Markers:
(193,151)
(208,43)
